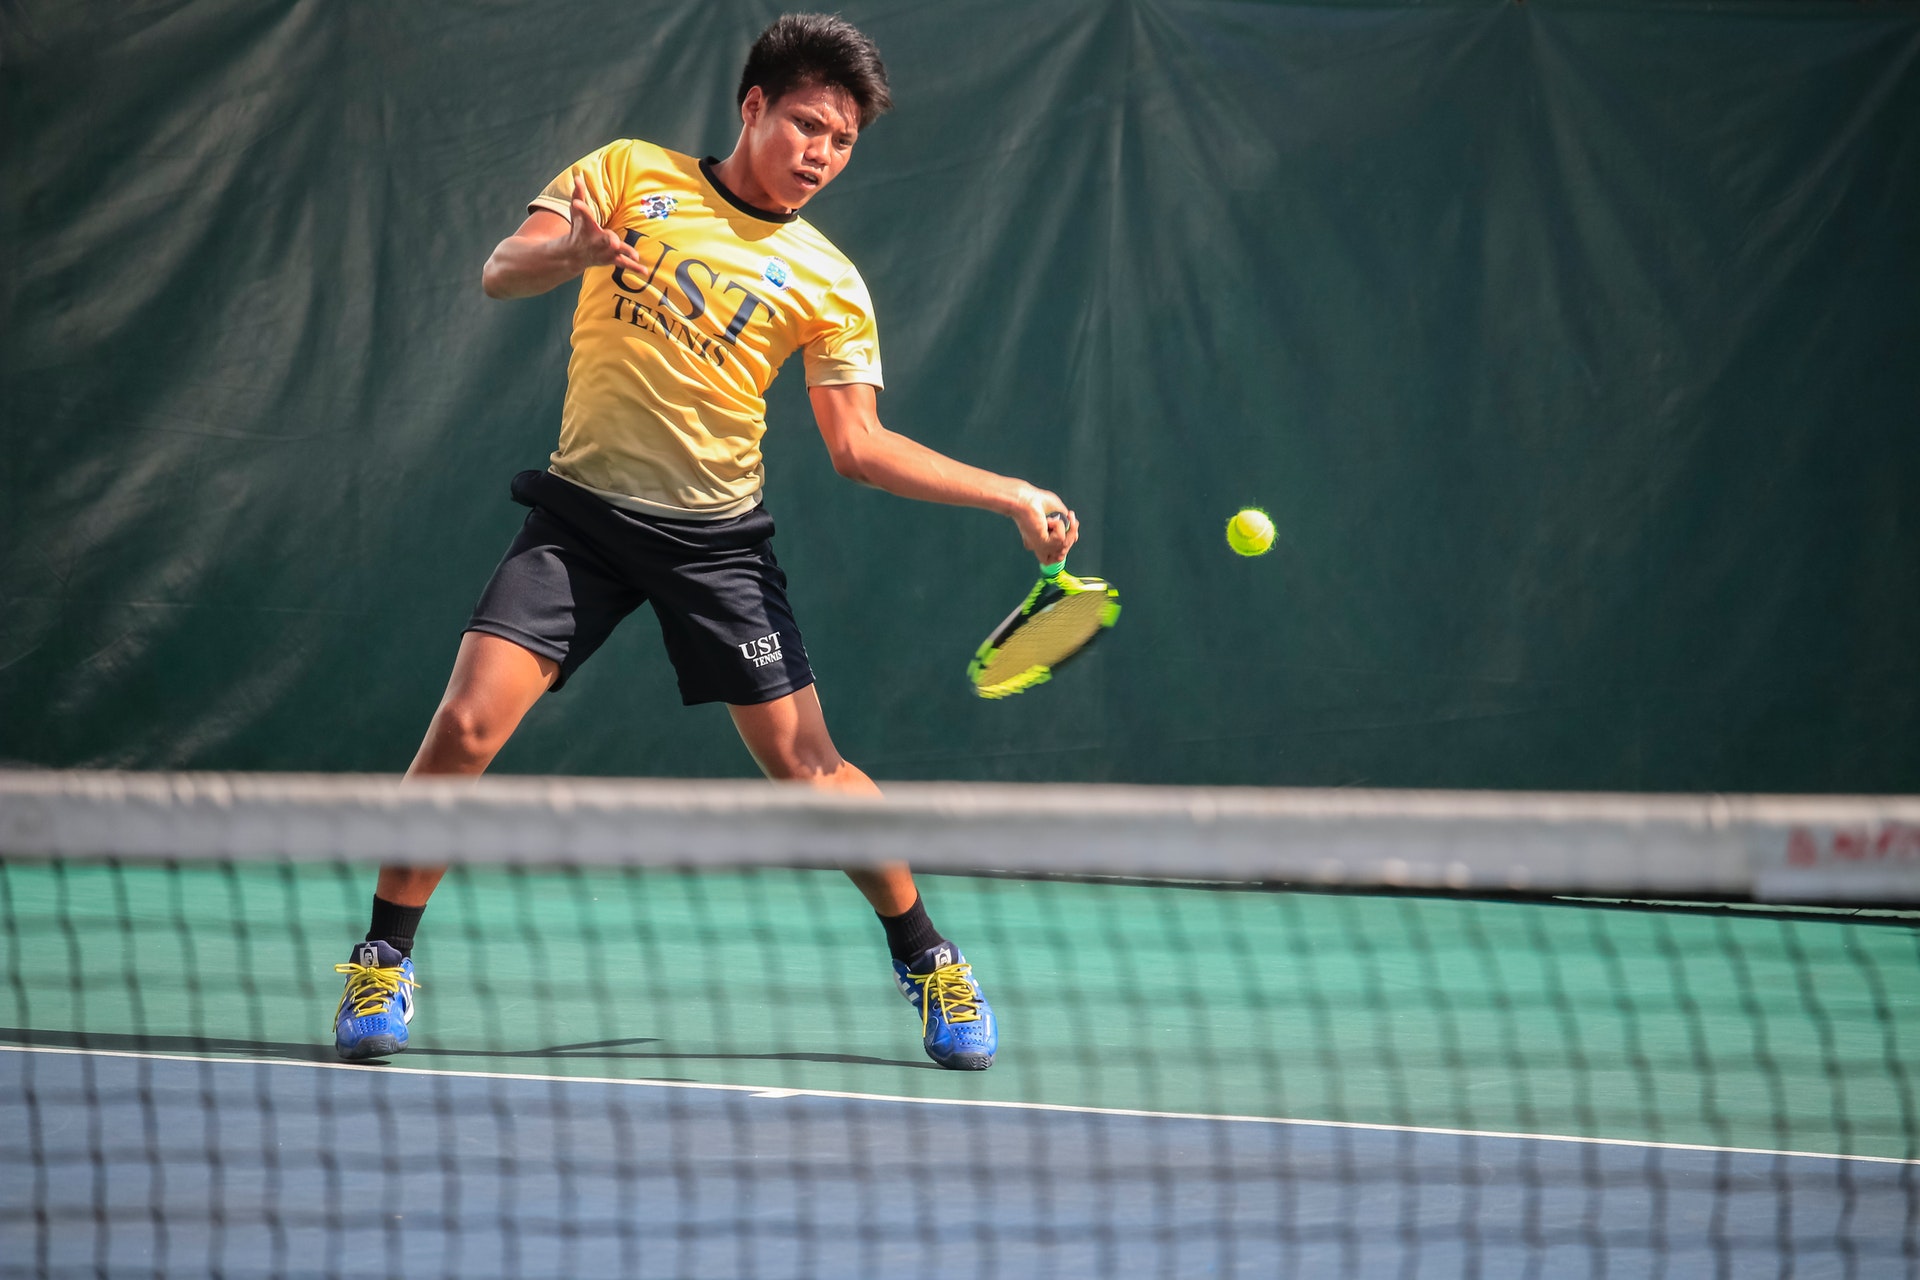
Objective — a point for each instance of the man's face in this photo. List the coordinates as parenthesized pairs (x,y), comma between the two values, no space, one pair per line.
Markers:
(800,143)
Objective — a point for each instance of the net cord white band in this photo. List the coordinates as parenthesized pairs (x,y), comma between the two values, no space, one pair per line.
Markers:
(1771,848)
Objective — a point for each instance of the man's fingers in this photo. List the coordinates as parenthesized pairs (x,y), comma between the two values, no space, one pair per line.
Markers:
(619,252)
(1057,531)
(582,204)
(1069,525)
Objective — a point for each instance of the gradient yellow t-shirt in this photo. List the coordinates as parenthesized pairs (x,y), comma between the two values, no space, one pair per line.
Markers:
(666,387)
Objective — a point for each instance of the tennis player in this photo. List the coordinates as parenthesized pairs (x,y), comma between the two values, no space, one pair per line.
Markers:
(698,278)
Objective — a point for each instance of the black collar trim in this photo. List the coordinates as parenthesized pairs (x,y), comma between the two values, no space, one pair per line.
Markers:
(752,211)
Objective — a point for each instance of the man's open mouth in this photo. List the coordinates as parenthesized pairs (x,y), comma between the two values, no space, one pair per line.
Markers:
(808,180)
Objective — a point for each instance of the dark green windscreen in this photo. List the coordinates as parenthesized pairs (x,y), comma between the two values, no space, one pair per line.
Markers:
(1574,347)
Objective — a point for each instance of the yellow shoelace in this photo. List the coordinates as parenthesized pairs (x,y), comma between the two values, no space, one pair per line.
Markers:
(369,987)
(948,984)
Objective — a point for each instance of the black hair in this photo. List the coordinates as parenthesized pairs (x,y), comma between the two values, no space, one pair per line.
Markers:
(802,49)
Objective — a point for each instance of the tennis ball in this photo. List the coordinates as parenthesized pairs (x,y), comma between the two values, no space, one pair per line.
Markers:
(1250,532)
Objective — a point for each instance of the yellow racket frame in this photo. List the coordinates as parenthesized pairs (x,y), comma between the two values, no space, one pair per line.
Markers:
(1016,657)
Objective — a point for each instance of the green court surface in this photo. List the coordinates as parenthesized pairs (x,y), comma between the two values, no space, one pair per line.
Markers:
(1721,1028)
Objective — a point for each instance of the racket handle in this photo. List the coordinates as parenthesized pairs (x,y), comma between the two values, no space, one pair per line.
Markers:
(1052,570)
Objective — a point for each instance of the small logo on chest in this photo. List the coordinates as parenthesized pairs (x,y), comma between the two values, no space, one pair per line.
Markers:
(656,207)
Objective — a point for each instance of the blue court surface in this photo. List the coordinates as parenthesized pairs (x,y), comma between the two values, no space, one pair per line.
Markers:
(478,1175)
(656,1074)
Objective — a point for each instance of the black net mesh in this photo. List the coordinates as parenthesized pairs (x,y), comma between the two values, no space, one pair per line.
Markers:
(657,1068)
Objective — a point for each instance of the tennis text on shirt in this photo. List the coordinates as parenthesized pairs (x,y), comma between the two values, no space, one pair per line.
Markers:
(666,386)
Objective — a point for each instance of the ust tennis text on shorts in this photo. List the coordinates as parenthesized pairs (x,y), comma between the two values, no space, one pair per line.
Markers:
(762,651)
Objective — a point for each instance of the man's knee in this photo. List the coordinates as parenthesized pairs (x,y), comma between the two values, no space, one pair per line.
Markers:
(802,762)
(470,729)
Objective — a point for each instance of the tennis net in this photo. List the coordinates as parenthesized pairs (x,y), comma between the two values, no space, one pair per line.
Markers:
(1242,1033)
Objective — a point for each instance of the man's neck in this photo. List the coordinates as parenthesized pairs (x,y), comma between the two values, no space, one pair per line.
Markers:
(736,174)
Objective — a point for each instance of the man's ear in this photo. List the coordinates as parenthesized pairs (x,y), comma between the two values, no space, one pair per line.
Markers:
(753,105)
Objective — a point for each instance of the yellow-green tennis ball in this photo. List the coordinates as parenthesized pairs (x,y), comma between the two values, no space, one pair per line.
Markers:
(1250,532)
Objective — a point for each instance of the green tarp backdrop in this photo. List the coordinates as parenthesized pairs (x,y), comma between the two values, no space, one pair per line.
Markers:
(1575,348)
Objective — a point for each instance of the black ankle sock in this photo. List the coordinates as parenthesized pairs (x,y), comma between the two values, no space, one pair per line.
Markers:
(394,924)
(910,932)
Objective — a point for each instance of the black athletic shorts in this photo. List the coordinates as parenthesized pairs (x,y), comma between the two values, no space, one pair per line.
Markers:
(580,565)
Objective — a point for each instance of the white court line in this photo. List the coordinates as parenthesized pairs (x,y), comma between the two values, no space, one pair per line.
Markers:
(780,1091)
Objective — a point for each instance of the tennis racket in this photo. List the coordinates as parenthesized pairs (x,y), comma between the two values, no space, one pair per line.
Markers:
(1061,616)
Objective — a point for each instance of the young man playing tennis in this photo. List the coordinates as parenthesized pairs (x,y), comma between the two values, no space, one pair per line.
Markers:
(698,279)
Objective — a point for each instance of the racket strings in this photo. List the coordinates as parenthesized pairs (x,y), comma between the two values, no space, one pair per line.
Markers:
(1053,632)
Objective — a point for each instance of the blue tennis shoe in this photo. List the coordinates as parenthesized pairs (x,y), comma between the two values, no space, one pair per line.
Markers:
(956,1022)
(372,1019)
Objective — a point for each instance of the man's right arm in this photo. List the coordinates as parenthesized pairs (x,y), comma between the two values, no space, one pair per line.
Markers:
(548,250)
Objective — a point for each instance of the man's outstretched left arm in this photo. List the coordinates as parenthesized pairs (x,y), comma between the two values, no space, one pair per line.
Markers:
(865,451)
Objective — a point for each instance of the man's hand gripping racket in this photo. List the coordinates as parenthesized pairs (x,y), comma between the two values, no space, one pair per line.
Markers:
(1061,616)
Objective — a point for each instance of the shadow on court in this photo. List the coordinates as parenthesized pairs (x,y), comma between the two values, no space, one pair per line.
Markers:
(280,1050)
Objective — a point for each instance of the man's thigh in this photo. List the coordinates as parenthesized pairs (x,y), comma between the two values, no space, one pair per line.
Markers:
(554,595)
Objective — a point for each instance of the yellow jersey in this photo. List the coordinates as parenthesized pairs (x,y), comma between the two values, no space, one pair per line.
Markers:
(666,387)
